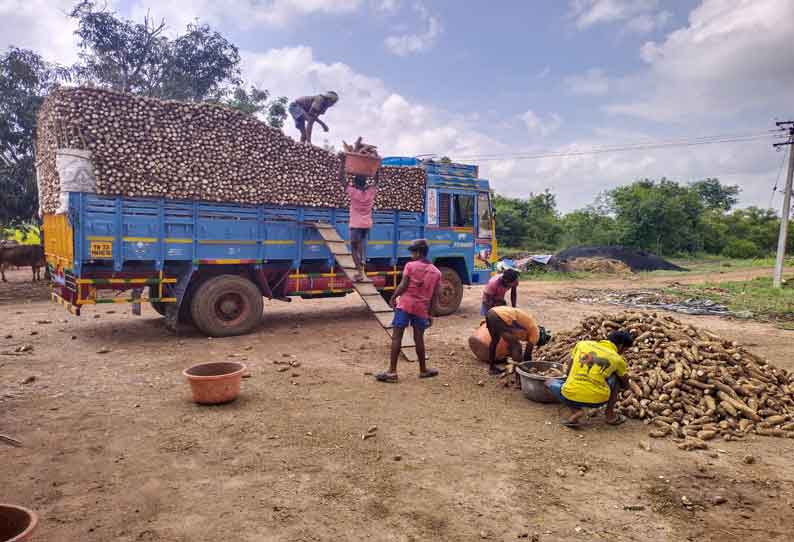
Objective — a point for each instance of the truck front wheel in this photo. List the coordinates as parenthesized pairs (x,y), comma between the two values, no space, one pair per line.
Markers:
(450,292)
(226,305)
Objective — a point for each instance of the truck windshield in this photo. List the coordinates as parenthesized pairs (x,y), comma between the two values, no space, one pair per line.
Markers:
(484,214)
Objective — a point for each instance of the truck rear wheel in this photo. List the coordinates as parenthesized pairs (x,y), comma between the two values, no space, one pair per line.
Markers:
(226,305)
(450,292)
(158,306)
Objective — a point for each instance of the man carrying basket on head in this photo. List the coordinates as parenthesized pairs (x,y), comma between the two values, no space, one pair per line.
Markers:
(362,199)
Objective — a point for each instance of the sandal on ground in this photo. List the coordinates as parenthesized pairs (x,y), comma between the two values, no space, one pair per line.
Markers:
(619,419)
(430,373)
(571,425)
(495,370)
(390,378)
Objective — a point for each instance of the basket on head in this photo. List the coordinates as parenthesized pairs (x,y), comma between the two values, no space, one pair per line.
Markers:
(361,164)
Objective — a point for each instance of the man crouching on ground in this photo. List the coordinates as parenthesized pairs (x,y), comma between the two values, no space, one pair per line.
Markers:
(413,300)
(513,325)
(596,374)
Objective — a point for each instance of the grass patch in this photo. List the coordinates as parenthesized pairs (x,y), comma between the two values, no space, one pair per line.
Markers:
(757,296)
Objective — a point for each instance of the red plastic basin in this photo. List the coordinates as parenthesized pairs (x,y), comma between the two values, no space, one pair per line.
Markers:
(16,523)
(215,382)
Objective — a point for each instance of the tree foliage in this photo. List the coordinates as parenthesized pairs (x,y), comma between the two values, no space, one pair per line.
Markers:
(137,57)
(662,216)
(715,195)
(589,227)
(255,101)
(25,78)
(532,223)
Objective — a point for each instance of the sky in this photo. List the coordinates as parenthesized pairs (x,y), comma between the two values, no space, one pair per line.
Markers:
(511,78)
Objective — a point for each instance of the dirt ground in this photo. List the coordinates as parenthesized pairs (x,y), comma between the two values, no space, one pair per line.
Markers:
(115,450)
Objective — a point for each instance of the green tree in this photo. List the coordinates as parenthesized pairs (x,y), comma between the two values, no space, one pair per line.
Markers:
(531,223)
(589,227)
(716,196)
(25,78)
(661,216)
(255,101)
(136,57)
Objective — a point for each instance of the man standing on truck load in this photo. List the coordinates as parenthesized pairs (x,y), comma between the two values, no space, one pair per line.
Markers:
(413,301)
(362,199)
(306,110)
(513,325)
(494,293)
(596,374)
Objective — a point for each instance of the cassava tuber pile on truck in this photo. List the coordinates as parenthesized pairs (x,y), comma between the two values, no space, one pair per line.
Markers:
(689,383)
(153,148)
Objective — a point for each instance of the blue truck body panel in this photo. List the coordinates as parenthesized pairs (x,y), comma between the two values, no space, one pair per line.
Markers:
(116,232)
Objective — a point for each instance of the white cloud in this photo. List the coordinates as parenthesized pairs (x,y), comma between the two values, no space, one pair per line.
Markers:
(400,126)
(734,56)
(242,13)
(386,6)
(648,22)
(639,16)
(366,107)
(576,180)
(407,44)
(543,127)
(593,82)
(40,25)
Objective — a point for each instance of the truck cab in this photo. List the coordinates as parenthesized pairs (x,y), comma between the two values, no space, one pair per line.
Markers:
(458,219)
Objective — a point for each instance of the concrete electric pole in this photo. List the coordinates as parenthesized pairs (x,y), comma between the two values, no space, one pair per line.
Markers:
(777,278)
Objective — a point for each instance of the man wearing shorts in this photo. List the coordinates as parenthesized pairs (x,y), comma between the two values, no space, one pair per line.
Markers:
(596,374)
(513,325)
(494,293)
(306,110)
(362,199)
(413,301)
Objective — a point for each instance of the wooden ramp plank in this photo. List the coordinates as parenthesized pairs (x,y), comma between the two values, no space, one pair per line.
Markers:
(346,262)
(372,298)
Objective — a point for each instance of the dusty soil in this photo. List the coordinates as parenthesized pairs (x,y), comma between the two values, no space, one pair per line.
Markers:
(115,450)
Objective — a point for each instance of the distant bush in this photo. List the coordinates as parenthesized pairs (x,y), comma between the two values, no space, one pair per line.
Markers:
(742,249)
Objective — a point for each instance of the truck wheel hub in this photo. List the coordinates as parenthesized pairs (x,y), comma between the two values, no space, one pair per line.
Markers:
(229,306)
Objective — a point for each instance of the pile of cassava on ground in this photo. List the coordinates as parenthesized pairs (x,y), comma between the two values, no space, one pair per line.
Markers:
(153,148)
(689,383)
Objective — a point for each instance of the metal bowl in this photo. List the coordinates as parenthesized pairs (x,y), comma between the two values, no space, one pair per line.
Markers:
(533,386)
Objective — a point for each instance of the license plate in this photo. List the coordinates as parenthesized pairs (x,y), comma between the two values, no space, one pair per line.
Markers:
(101,250)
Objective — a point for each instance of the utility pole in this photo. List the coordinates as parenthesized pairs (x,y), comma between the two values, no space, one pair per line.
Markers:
(777,278)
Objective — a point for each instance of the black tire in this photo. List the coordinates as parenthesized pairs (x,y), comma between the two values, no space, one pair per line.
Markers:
(156,305)
(227,305)
(450,292)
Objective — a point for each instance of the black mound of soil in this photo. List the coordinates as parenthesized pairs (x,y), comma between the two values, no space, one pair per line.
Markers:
(637,260)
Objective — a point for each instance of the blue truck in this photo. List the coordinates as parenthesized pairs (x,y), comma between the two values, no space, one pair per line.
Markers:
(211,264)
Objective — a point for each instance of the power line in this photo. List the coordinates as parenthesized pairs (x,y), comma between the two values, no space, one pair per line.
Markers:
(646,145)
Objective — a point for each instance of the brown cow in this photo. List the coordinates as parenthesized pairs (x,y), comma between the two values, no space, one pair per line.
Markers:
(22,255)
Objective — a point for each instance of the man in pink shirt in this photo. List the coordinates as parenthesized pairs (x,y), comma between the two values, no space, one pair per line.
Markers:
(495,290)
(413,301)
(362,199)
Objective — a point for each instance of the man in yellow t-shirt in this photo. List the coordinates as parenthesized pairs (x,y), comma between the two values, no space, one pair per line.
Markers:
(596,375)
(513,325)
